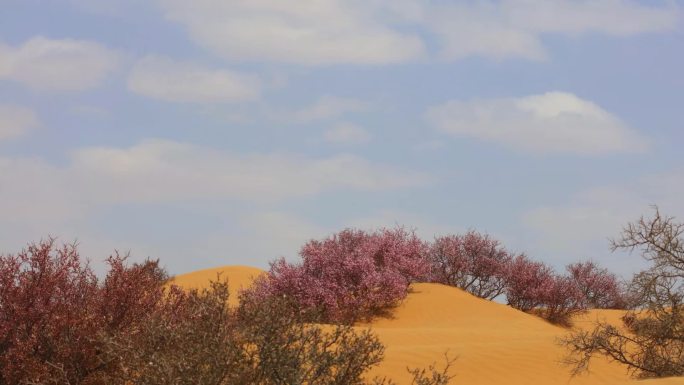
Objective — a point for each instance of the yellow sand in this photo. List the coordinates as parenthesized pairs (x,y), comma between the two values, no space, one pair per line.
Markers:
(239,277)
(495,344)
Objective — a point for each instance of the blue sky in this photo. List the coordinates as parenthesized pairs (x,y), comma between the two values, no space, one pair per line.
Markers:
(218,132)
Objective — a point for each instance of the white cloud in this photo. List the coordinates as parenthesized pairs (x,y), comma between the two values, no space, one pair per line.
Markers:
(106,7)
(57,64)
(157,171)
(478,29)
(15,121)
(611,17)
(316,33)
(163,78)
(348,133)
(551,122)
(513,28)
(327,107)
(391,31)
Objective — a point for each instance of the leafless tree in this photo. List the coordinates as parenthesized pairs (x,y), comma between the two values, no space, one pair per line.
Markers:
(650,342)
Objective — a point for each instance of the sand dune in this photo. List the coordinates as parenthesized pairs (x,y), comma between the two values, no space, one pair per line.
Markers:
(239,277)
(495,344)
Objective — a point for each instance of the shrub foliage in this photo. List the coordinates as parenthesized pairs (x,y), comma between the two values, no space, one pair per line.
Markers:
(533,286)
(53,309)
(482,266)
(600,287)
(60,325)
(351,275)
(473,262)
(262,342)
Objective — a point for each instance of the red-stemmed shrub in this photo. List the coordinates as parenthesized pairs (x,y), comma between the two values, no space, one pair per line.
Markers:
(199,339)
(60,325)
(351,275)
(600,287)
(53,311)
(562,300)
(45,294)
(473,262)
(534,287)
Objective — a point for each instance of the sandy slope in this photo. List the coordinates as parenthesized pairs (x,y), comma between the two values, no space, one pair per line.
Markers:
(495,344)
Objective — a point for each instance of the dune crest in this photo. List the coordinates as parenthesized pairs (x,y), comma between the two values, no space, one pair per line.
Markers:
(494,343)
(239,277)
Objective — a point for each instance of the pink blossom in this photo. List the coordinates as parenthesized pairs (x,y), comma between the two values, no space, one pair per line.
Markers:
(472,262)
(352,274)
(600,287)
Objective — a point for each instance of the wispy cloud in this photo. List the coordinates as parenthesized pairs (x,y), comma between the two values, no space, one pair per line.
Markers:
(375,32)
(176,81)
(157,171)
(38,198)
(57,64)
(323,32)
(546,123)
(514,28)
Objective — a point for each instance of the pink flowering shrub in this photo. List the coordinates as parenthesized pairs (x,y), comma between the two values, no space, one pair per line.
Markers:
(562,300)
(527,282)
(600,288)
(473,262)
(351,275)
(534,287)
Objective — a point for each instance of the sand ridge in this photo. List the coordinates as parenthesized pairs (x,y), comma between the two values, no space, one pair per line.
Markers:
(239,277)
(494,343)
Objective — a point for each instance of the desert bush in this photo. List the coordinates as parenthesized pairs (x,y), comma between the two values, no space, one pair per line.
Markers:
(288,350)
(473,262)
(481,266)
(650,342)
(53,308)
(533,286)
(263,341)
(191,339)
(601,288)
(527,283)
(431,375)
(351,275)
(60,325)
(561,301)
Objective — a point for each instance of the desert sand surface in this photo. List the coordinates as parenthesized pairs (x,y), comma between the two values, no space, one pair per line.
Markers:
(493,343)
(239,277)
